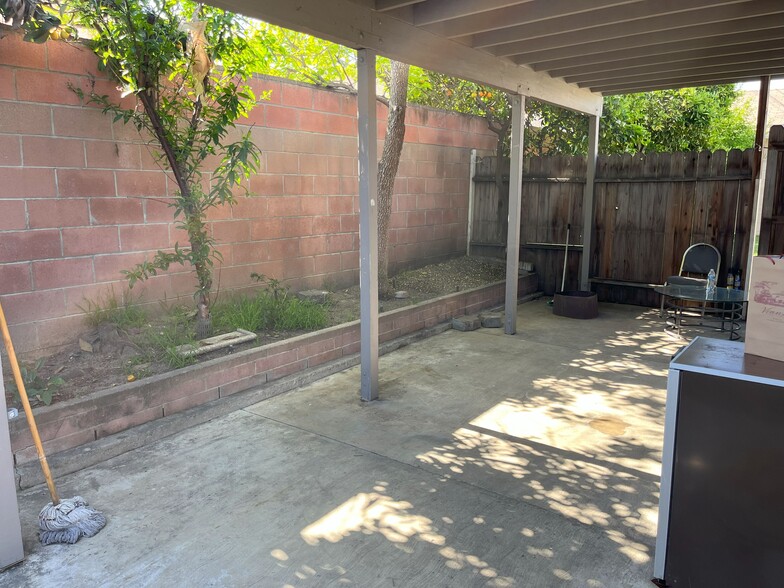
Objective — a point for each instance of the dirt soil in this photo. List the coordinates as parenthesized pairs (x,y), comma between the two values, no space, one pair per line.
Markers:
(84,372)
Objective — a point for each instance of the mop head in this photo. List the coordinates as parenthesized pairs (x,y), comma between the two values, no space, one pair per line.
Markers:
(69,521)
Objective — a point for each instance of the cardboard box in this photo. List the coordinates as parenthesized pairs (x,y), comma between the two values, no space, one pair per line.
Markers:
(765,316)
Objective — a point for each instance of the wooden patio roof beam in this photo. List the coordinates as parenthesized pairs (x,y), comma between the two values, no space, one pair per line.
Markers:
(640,42)
(386,5)
(694,66)
(608,21)
(660,51)
(435,11)
(358,26)
(649,59)
(690,81)
(510,16)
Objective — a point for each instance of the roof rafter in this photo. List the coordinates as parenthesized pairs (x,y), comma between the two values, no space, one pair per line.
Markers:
(384,5)
(690,65)
(435,11)
(564,52)
(357,26)
(687,81)
(665,24)
(664,52)
(598,47)
(535,11)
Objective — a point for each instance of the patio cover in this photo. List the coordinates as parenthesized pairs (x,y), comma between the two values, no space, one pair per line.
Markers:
(565,52)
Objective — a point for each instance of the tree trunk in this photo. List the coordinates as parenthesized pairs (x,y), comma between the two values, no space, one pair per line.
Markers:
(387,167)
(503,203)
(196,232)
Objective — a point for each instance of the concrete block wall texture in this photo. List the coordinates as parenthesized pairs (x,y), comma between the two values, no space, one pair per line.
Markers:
(82,198)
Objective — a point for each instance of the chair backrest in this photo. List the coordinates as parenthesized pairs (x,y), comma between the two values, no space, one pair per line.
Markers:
(700,258)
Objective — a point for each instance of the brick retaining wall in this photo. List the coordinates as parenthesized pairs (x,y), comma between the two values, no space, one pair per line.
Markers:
(81,198)
(82,420)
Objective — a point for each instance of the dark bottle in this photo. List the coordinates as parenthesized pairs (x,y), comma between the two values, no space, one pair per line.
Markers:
(737,279)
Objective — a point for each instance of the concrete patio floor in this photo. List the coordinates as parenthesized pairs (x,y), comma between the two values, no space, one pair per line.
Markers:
(490,460)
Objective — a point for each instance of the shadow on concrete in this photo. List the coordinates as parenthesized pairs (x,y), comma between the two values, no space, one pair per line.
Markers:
(489,461)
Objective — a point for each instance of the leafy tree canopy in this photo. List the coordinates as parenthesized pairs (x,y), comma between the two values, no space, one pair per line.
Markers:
(686,119)
(304,58)
(668,120)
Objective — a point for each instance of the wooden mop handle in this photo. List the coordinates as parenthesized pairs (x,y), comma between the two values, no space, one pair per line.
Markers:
(28,411)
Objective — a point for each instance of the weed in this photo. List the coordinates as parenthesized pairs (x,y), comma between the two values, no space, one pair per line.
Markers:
(36,385)
(301,314)
(239,313)
(160,342)
(271,308)
(272,286)
(107,309)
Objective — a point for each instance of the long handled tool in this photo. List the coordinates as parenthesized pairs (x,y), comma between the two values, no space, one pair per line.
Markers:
(60,521)
(566,256)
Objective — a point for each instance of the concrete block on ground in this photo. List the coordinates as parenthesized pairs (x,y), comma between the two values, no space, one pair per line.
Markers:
(492,320)
(469,322)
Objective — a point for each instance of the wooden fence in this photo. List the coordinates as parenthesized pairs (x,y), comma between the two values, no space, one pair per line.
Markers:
(648,210)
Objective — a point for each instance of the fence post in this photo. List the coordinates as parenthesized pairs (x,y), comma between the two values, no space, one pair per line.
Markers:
(515,199)
(590,176)
(471,203)
(759,171)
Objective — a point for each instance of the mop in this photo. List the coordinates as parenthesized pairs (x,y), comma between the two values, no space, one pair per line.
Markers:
(566,259)
(60,521)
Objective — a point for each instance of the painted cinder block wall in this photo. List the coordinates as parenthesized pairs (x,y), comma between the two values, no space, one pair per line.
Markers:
(82,198)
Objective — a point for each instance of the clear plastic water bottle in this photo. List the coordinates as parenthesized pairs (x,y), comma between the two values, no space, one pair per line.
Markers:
(710,287)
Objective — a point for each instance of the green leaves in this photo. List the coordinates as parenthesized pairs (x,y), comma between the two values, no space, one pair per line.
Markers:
(686,119)
(35,384)
(303,58)
(39,20)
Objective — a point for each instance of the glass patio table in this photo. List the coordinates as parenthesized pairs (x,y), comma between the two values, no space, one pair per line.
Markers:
(693,306)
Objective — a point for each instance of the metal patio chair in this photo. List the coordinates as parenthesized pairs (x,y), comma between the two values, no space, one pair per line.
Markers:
(698,260)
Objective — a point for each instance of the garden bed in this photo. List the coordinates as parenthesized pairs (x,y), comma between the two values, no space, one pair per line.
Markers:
(77,421)
(99,399)
(143,345)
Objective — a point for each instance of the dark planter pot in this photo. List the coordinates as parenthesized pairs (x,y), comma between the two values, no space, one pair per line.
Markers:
(577,304)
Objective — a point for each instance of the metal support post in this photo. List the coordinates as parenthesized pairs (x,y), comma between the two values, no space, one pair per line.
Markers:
(368,223)
(515,199)
(588,202)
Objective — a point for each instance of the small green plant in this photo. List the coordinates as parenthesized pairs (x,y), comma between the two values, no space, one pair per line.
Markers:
(108,309)
(240,312)
(272,286)
(302,314)
(36,385)
(161,342)
(138,367)
(271,308)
